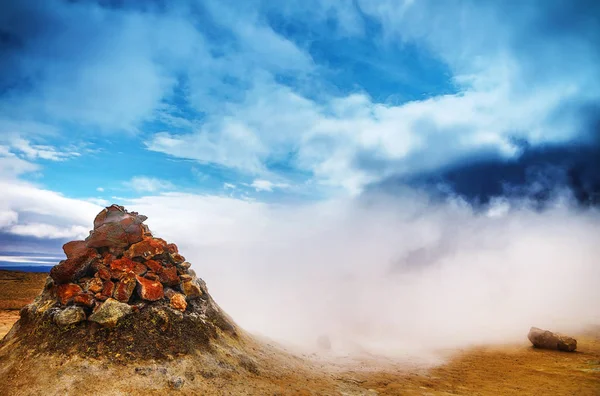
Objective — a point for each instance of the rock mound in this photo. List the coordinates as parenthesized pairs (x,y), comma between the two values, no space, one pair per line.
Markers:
(121,293)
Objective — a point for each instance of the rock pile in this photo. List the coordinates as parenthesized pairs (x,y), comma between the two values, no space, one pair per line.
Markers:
(119,269)
(121,295)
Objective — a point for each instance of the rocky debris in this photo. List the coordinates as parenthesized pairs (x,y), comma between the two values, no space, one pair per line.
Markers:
(69,316)
(110,312)
(121,262)
(548,340)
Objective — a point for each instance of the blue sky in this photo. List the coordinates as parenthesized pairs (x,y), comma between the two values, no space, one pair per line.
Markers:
(280,102)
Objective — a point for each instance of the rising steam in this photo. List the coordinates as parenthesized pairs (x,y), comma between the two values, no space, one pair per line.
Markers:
(390,276)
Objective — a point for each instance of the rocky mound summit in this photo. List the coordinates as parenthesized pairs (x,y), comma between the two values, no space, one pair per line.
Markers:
(121,293)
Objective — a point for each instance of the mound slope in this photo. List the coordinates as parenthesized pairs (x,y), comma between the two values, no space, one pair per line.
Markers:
(124,294)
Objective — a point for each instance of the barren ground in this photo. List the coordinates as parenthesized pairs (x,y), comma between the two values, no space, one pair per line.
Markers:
(486,370)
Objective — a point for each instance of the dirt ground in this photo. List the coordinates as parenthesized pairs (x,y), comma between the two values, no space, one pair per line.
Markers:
(516,369)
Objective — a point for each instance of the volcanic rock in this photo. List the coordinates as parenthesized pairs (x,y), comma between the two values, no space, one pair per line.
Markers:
(108,289)
(110,312)
(115,227)
(125,287)
(69,315)
(123,264)
(169,276)
(95,285)
(150,290)
(67,291)
(178,302)
(191,289)
(73,267)
(548,340)
(155,266)
(84,299)
(147,248)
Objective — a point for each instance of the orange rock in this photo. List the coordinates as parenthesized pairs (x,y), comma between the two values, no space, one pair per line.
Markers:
(124,288)
(169,276)
(67,291)
(84,299)
(95,285)
(108,289)
(100,297)
(150,290)
(154,266)
(177,258)
(147,248)
(114,227)
(75,249)
(123,264)
(178,302)
(103,273)
(140,269)
(74,267)
(172,248)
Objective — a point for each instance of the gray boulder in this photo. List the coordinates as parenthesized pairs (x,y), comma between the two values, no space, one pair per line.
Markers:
(110,312)
(69,316)
(548,340)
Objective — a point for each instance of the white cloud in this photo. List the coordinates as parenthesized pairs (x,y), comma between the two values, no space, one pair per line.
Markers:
(100,189)
(36,151)
(40,230)
(266,185)
(8,218)
(229,186)
(12,166)
(149,184)
(506,92)
(31,211)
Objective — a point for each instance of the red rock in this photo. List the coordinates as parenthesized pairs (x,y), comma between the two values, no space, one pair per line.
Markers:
(169,276)
(125,288)
(172,248)
(114,227)
(140,269)
(103,273)
(108,289)
(123,264)
(100,297)
(84,299)
(108,258)
(94,285)
(178,302)
(116,274)
(75,249)
(154,266)
(147,248)
(67,291)
(74,267)
(151,276)
(177,258)
(150,290)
